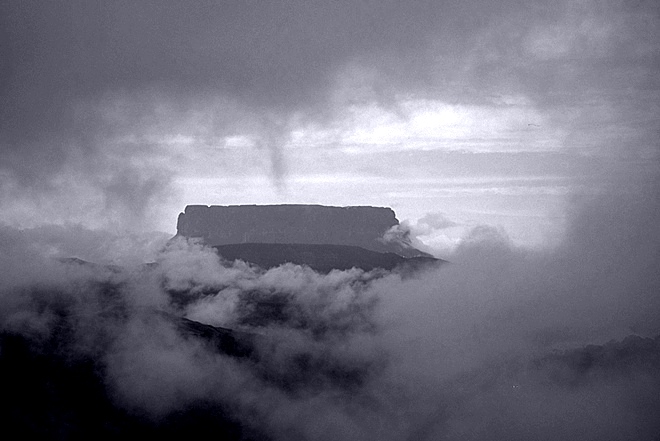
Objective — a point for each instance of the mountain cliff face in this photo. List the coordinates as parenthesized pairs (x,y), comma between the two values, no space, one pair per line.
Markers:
(322,258)
(295,224)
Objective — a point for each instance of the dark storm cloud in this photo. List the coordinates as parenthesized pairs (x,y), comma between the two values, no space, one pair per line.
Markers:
(279,55)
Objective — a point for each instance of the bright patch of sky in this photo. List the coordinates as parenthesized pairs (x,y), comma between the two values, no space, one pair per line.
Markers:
(508,124)
(506,163)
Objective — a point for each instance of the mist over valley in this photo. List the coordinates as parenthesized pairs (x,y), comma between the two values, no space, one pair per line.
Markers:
(501,343)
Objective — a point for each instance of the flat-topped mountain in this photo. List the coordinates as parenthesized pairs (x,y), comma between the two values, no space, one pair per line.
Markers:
(359,226)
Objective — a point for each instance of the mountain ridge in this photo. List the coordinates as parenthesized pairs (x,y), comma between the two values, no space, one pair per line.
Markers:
(321,258)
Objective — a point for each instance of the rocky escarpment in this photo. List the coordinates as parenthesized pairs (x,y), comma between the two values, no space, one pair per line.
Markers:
(323,258)
(367,227)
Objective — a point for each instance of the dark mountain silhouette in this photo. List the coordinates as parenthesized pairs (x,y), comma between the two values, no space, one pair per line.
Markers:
(373,228)
(322,258)
(321,237)
(52,391)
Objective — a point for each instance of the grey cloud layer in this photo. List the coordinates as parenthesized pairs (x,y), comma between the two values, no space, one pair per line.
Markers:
(64,62)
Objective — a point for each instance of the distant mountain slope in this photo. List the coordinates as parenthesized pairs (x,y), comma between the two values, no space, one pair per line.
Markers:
(53,391)
(322,258)
(92,363)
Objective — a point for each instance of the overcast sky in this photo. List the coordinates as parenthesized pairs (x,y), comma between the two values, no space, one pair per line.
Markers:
(118,114)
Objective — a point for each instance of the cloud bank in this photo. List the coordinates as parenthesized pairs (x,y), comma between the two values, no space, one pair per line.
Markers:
(475,349)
